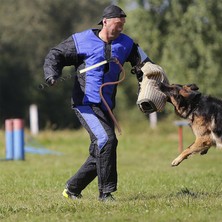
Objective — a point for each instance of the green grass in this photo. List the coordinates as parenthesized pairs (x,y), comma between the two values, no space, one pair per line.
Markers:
(149,189)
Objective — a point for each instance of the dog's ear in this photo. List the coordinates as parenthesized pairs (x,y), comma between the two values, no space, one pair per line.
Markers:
(192,86)
(183,92)
(190,94)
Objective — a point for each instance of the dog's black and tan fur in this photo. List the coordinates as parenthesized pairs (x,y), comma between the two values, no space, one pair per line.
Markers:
(204,114)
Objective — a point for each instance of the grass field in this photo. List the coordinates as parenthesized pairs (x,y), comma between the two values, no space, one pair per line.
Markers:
(149,189)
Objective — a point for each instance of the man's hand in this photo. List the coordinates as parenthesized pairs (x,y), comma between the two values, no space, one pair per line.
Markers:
(51,80)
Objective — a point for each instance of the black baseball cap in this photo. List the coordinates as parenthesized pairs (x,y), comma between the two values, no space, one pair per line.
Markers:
(112,11)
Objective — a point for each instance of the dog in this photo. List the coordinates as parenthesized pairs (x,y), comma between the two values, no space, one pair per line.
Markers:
(203,112)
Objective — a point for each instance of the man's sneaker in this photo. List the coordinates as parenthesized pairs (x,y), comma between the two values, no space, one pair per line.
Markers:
(106,197)
(68,194)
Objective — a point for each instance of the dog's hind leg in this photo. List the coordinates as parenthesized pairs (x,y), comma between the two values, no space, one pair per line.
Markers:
(201,145)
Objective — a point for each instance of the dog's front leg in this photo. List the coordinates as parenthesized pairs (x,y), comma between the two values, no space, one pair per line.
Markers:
(181,157)
(201,145)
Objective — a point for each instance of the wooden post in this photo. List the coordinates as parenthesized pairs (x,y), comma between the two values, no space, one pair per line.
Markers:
(153,120)
(9,149)
(18,130)
(34,122)
(180,125)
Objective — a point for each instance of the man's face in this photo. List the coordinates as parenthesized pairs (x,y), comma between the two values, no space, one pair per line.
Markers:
(114,26)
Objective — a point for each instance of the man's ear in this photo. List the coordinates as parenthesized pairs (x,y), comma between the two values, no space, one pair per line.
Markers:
(104,21)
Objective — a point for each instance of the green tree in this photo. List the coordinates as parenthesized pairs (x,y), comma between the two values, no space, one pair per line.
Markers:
(28,30)
(193,44)
(182,36)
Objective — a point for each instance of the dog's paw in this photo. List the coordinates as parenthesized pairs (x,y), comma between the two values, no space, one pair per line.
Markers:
(176,162)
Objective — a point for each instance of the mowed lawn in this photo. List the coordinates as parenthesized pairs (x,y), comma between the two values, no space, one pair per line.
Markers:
(149,189)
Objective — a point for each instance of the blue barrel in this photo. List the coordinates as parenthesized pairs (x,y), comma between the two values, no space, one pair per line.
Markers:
(18,130)
(9,149)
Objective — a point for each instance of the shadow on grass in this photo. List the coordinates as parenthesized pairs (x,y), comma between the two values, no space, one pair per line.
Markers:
(184,192)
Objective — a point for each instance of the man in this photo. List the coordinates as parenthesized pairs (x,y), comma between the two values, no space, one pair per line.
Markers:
(85,49)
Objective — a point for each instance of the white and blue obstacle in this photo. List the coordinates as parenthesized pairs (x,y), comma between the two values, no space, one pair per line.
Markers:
(14,139)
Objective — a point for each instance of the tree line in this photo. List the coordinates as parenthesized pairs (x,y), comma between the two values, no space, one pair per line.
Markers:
(183,36)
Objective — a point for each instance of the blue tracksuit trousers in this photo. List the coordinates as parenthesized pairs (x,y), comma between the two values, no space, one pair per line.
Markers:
(102,151)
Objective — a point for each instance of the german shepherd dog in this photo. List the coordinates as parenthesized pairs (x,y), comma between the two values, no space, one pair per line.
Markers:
(204,114)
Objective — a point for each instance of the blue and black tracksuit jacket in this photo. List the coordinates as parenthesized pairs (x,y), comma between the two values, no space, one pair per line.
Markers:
(85,49)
